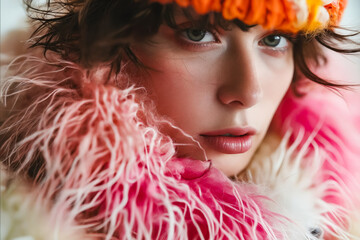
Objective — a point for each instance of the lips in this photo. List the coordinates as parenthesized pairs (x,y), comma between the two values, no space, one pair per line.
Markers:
(230,141)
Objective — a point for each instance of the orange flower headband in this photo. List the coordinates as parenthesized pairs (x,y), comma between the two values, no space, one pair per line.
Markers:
(286,15)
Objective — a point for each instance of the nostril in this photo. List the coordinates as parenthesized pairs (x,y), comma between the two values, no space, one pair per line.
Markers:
(316,232)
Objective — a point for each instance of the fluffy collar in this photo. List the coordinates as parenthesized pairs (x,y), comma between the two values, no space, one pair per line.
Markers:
(103,173)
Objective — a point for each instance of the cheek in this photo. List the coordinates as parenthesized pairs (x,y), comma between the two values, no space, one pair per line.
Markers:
(277,77)
(279,74)
(177,88)
(280,82)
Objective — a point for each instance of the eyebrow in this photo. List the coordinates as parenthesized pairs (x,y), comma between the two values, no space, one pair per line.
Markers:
(244,27)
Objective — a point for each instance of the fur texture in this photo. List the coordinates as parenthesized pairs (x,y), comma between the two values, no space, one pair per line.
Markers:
(97,160)
(112,174)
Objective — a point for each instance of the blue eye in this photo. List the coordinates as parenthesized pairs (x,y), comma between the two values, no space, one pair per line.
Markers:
(198,35)
(274,41)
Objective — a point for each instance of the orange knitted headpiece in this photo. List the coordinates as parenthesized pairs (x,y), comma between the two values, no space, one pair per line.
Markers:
(287,15)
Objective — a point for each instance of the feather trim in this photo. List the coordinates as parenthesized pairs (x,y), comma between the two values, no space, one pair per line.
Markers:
(24,216)
(332,159)
(100,166)
(294,185)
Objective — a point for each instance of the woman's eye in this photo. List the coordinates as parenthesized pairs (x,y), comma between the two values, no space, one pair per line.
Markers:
(198,35)
(274,41)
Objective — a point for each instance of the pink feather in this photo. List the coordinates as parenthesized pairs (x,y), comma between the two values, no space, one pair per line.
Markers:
(116,176)
(335,119)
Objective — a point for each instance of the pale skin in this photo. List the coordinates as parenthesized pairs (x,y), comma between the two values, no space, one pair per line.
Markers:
(208,80)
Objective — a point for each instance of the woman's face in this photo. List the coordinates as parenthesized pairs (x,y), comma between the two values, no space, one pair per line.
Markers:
(221,87)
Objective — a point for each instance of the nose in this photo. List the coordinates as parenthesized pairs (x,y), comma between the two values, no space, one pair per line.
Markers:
(239,85)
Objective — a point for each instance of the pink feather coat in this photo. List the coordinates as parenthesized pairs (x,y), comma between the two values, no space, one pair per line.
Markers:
(100,168)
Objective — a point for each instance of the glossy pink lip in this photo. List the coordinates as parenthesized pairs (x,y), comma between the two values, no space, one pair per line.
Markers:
(230,141)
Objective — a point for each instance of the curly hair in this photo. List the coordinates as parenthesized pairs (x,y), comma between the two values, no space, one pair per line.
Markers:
(94,31)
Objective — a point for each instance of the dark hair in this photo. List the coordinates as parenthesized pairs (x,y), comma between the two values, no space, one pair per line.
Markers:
(98,31)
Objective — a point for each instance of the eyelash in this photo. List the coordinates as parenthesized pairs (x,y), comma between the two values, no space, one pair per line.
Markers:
(274,50)
(277,51)
(183,40)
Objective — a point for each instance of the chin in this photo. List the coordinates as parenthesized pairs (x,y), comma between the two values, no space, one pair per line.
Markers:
(231,165)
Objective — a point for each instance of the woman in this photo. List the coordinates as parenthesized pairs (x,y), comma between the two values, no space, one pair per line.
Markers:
(150,120)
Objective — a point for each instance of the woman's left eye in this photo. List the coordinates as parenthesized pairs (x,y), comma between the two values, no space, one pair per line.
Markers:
(198,35)
(274,41)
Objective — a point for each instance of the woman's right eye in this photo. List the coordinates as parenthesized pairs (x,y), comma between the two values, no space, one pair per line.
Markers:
(198,35)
